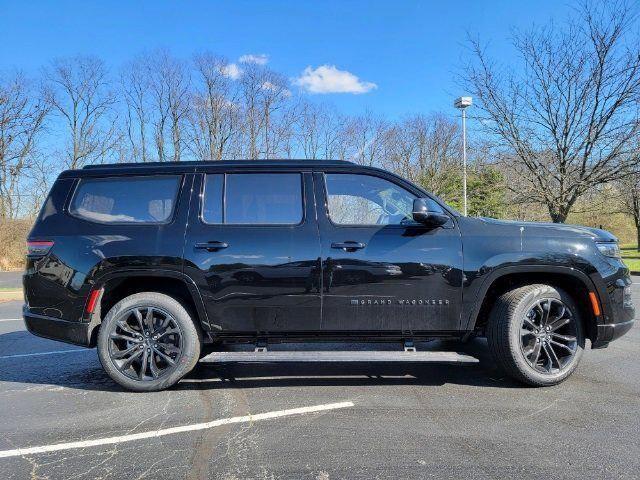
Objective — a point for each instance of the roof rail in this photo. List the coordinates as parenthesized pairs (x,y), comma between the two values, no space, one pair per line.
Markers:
(191,163)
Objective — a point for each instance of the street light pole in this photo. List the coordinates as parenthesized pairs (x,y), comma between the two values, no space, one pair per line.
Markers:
(462,103)
(464,159)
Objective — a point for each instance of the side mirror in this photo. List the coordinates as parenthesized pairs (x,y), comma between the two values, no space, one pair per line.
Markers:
(422,214)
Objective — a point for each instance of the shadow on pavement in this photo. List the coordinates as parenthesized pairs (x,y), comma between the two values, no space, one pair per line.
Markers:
(82,370)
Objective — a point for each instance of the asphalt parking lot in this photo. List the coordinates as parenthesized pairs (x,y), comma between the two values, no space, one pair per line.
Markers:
(321,421)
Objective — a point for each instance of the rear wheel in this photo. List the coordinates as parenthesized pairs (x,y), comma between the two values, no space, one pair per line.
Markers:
(535,334)
(148,341)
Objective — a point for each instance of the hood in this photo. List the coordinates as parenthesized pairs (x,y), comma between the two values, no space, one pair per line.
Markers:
(553,229)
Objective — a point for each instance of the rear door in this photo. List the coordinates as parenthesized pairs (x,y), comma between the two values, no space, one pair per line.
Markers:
(253,249)
(382,271)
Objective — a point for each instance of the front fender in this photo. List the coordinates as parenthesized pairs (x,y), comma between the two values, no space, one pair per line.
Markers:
(478,283)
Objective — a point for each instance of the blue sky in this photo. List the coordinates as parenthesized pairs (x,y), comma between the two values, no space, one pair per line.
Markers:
(410,50)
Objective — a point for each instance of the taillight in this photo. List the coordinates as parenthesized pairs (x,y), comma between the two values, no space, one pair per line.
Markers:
(38,248)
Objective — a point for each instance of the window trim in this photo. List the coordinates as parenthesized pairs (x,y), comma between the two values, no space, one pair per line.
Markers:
(368,225)
(303,198)
(169,220)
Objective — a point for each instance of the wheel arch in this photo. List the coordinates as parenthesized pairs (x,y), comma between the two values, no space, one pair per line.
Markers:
(116,286)
(575,282)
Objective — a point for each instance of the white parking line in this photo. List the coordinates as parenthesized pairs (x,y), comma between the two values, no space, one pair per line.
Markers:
(10,319)
(170,431)
(39,354)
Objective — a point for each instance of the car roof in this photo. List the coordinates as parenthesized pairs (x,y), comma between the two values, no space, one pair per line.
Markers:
(201,166)
(198,166)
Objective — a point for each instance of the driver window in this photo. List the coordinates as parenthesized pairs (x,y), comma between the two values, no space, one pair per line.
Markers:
(355,199)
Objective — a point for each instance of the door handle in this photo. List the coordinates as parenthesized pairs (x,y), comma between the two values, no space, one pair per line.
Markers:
(349,246)
(211,246)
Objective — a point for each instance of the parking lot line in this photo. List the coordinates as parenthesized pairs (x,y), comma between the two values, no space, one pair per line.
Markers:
(39,354)
(171,431)
(10,319)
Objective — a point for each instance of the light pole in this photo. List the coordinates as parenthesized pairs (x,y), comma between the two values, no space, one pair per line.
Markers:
(462,103)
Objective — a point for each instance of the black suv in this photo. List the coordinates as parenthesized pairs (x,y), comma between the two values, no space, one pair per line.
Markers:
(157,263)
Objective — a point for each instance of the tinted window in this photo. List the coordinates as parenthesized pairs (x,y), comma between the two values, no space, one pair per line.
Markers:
(366,200)
(254,198)
(212,206)
(126,199)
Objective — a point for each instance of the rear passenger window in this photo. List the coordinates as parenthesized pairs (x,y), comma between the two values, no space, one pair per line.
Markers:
(126,199)
(253,199)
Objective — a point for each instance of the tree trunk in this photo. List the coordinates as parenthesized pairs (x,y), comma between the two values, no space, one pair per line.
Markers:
(558,215)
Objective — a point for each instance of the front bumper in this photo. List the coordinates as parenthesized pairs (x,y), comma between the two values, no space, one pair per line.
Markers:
(619,311)
(612,331)
(77,333)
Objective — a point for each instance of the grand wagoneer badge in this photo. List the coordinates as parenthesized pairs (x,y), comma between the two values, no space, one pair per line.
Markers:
(405,301)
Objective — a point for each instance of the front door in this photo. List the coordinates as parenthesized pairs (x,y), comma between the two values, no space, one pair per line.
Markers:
(381,270)
(253,250)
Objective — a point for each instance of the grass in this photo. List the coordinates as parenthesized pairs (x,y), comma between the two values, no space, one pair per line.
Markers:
(12,243)
(9,294)
(631,257)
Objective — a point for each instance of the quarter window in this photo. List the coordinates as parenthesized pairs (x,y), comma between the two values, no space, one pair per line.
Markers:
(253,199)
(126,199)
(212,205)
(355,199)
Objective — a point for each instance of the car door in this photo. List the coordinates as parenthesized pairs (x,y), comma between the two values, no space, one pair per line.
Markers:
(253,249)
(382,270)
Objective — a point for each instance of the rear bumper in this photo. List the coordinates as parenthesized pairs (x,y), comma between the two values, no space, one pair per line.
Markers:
(77,333)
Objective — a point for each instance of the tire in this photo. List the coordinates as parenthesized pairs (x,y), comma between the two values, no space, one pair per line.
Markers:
(172,337)
(516,328)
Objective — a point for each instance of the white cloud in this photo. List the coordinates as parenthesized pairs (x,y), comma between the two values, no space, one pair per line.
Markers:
(232,71)
(328,79)
(274,88)
(257,58)
(269,86)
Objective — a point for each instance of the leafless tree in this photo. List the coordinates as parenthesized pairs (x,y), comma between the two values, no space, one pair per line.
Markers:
(318,129)
(567,119)
(277,123)
(23,111)
(214,116)
(364,139)
(79,90)
(425,149)
(264,96)
(629,190)
(38,181)
(169,90)
(135,86)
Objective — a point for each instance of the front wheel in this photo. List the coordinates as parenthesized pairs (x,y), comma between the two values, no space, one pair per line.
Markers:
(535,334)
(148,341)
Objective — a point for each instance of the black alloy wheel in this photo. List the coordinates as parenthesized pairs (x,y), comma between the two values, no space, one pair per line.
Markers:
(548,336)
(145,343)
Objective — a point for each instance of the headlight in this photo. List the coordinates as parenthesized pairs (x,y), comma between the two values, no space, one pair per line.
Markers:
(609,249)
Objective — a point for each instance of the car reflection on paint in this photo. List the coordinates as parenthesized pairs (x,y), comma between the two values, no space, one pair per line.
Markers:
(353,271)
(291,273)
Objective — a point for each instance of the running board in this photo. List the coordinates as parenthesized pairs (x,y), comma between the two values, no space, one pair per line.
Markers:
(339,356)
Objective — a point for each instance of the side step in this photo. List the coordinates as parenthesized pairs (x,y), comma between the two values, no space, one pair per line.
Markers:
(339,356)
